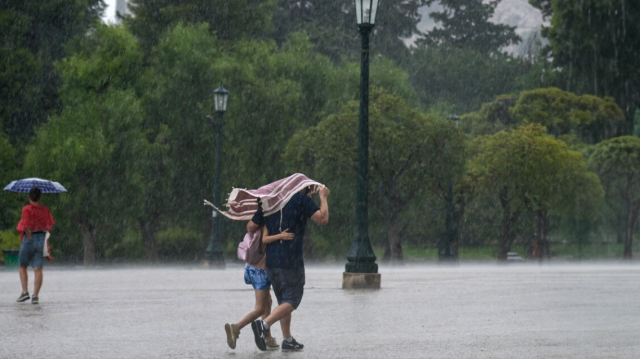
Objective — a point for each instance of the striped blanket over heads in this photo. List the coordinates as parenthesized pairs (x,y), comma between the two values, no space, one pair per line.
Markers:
(242,203)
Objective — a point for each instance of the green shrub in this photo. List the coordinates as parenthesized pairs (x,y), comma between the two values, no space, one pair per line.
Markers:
(9,239)
(178,243)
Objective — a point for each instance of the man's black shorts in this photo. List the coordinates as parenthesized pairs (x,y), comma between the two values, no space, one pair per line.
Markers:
(287,284)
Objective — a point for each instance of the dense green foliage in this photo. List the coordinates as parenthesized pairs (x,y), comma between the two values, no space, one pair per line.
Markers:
(411,156)
(229,20)
(618,162)
(465,24)
(462,79)
(118,114)
(33,35)
(332,27)
(588,117)
(596,45)
(528,170)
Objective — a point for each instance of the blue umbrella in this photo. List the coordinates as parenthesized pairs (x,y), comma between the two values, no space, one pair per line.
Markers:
(25,185)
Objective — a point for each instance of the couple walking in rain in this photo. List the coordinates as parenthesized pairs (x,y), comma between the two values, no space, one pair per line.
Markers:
(277,214)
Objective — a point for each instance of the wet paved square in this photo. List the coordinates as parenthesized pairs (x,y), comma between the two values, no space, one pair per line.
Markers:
(469,311)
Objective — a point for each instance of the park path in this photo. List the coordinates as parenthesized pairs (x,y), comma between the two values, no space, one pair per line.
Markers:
(469,311)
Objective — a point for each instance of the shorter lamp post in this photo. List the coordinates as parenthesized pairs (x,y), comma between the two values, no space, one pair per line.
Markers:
(214,254)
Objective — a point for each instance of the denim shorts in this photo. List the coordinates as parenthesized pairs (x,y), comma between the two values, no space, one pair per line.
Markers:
(31,251)
(256,277)
(288,284)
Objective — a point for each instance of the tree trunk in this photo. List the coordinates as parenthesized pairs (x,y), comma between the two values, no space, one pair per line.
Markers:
(149,229)
(88,243)
(447,242)
(541,245)
(457,225)
(507,236)
(395,244)
(386,257)
(631,226)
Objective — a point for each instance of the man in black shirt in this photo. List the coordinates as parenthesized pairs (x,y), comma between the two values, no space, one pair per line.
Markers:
(285,262)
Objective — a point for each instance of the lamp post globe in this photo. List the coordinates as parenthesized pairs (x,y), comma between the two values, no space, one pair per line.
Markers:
(361,269)
(456,120)
(214,254)
(221,95)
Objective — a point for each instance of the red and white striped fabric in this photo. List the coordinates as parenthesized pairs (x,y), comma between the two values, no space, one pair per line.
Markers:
(243,203)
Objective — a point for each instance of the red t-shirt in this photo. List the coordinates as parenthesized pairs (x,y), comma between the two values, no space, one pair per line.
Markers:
(35,218)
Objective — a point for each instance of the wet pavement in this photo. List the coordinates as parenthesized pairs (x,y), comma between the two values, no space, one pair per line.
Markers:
(469,311)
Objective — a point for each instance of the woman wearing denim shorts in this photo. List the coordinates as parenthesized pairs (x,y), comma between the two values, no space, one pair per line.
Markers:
(257,277)
(35,223)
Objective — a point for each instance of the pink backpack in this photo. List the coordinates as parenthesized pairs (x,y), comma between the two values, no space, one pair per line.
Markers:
(249,249)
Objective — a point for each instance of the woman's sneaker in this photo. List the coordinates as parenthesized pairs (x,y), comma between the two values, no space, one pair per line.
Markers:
(292,345)
(34,300)
(23,297)
(232,334)
(272,344)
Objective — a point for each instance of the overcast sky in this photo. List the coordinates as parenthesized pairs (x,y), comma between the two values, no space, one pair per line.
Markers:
(110,11)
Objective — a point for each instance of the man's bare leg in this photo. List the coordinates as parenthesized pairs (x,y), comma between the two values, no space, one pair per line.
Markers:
(266,314)
(285,324)
(38,281)
(24,279)
(281,311)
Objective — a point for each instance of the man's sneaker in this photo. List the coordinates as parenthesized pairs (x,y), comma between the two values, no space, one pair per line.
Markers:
(232,334)
(292,345)
(23,297)
(34,300)
(272,344)
(260,334)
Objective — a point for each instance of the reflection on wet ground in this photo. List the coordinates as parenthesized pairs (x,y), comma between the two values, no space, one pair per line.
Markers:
(485,311)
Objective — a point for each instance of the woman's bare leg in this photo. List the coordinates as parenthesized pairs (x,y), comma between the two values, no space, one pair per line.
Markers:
(24,279)
(263,299)
(38,281)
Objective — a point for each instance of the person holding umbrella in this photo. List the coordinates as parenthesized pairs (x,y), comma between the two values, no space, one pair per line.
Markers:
(34,225)
(36,221)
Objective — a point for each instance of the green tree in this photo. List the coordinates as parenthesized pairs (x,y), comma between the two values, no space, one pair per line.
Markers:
(463,78)
(617,161)
(94,146)
(10,209)
(410,155)
(590,118)
(331,26)
(465,24)
(545,6)
(229,20)
(596,44)
(274,93)
(528,170)
(34,34)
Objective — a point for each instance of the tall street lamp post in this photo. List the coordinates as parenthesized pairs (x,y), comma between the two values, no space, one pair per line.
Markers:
(361,270)
(214,254)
